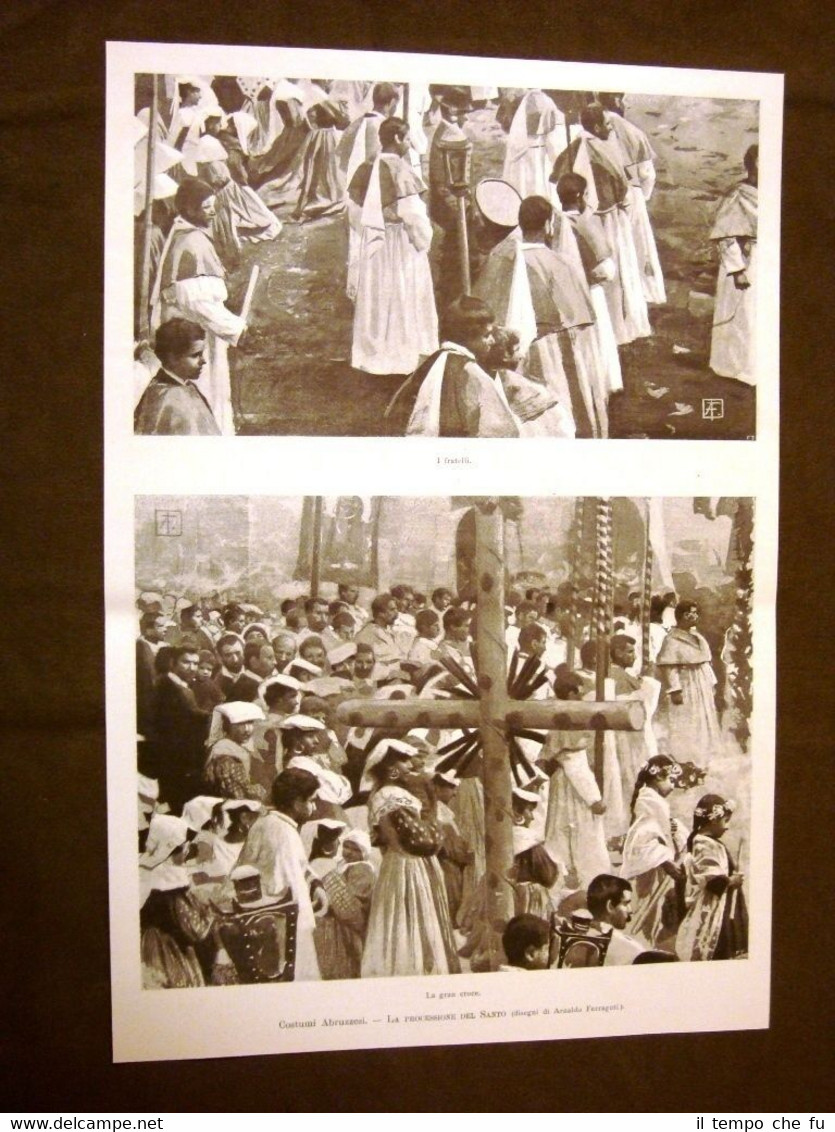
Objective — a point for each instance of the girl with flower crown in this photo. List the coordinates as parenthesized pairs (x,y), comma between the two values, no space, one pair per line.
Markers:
(651,854)
(716,923)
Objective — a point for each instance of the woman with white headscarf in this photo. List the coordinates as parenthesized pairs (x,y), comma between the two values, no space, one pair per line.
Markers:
(171,918)
(340,935)
(409,927)
(228,766)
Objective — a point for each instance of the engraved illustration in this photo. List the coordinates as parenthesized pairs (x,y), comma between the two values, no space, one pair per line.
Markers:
(325,257)
(410,736)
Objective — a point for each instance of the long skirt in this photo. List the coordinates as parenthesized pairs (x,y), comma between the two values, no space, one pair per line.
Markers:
(468,807)
(690,731)
(655,917)
(649,265)
(322,191)
(569,364)
(625,294)
(733,346)
(409,929)
(241,217)
(606,340)
(715,927)
(165,964)
(395,323)
(276,174)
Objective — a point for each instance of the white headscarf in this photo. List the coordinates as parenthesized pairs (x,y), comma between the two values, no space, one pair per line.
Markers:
(165,835)
(197,811)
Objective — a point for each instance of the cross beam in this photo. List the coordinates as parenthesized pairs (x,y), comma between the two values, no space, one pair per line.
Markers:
(452,714)
(494,713)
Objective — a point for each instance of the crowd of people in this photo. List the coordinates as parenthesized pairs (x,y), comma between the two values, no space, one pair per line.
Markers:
(253,790)
(506,302)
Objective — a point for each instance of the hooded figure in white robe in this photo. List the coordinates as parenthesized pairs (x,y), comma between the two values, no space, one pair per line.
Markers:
(395,321)
(639,162)
(535,141)
(595,156)
(733,344)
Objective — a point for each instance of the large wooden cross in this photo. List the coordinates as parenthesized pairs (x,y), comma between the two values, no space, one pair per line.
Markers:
(496,714)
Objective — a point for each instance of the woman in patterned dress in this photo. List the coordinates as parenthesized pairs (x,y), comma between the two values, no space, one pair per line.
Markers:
(409,926)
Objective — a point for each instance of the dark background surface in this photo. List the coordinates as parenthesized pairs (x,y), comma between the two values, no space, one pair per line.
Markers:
(56,1039)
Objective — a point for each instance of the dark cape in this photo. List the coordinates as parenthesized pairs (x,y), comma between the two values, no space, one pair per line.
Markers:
(172,408)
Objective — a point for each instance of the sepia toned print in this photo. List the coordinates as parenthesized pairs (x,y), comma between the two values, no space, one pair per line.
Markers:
(408,737)
(324,257)
(437,741)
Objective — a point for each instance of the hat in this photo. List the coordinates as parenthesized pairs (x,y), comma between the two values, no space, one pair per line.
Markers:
(305,666)
(528,796)
(388,691)
(524,838)
(387,746)
(140,126)
(148,789)
(301,722)
(498,202)
(418,738)
(259,625)
(342,653)
(359,838)
(331,826)
(163,188)
(165,834)
(242,804)
(197,811)
(285,91)
(325,686)
(455,96)
(236,711)
(288,682)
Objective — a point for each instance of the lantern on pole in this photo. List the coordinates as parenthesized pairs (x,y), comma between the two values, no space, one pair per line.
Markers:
(457,152)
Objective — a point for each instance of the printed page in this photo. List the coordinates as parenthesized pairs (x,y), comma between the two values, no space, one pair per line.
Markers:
(524,675)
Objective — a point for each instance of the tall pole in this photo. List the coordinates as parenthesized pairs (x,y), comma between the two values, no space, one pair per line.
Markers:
(147,219)
(463,244)
(316,554)
(576,558)
(603,614)
(646,594)
(492,679)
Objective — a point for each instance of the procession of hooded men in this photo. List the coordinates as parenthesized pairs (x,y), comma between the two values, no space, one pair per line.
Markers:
(255,792)
(499,306)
